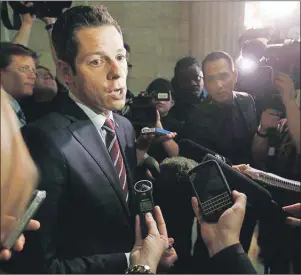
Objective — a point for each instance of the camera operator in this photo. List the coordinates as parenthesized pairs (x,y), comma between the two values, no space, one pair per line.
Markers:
(286,162)
(46,85)
(287,156)
(163,147)
(23,34)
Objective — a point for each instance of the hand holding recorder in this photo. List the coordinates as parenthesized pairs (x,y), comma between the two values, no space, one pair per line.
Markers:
(150,250)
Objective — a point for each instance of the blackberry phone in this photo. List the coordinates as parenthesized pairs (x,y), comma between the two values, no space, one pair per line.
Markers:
(211,190)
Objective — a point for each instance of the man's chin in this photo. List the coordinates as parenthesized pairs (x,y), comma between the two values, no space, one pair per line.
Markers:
(117,105)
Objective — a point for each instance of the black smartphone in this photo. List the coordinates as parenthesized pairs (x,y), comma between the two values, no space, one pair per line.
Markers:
(211,189)
(37,199)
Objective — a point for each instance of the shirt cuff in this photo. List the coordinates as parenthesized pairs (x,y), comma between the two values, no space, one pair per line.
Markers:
(127,255)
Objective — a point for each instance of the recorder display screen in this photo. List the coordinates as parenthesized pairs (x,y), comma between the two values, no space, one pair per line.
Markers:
(146,205)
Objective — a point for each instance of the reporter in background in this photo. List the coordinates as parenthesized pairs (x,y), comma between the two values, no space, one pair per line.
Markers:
(222,238)
(23,34)
(287,155)
(16,186)
(163,147)
(279,243)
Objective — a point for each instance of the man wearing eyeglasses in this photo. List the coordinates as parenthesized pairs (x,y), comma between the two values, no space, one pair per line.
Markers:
(18,74)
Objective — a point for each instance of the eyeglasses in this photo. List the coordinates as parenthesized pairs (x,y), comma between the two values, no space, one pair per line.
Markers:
(26,69)
(44,76)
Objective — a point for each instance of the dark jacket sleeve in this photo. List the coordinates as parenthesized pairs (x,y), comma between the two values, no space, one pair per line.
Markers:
(40,253)
(232,260)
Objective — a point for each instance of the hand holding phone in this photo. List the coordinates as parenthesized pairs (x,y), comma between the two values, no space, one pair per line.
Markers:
(5,254)
(154,131)
(224,233)
(20,224)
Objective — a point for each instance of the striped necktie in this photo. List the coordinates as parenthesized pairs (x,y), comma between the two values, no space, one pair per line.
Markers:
(116,155)
(21,117)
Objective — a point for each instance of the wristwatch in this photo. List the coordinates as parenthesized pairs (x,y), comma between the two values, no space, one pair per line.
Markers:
(139,269)
(261,135)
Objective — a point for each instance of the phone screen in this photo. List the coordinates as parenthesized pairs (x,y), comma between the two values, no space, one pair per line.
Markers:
(212,190)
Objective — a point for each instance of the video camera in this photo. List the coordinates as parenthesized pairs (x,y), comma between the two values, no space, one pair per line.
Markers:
(143,111)
(259,65)
(39,8)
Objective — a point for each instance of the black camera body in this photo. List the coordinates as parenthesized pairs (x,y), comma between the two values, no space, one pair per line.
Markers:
(143,111)
(260,80)
(39,8)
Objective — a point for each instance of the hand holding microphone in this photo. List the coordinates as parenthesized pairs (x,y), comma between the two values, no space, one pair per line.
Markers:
(151,250)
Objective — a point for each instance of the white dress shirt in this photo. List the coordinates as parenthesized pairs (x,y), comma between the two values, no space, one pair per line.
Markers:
(98,120)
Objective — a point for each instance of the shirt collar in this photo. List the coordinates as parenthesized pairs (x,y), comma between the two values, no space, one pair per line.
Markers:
(97,119)
(14,103)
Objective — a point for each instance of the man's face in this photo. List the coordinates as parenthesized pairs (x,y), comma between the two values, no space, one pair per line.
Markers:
(19,77)
(191,80)
(101,69)
(45,81)
(163,107)
(219,80)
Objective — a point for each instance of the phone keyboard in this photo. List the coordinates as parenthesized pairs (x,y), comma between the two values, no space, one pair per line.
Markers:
(221,201)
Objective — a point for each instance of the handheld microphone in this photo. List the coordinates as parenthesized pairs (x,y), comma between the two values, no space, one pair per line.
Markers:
(197,152)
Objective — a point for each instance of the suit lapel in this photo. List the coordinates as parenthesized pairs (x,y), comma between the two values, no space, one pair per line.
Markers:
(244,110)
(86,134)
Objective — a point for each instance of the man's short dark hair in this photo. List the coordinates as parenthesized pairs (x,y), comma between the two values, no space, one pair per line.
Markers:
(76,18)
(160,84)
(127,47)
(185,63)
(8,50)
(216,56)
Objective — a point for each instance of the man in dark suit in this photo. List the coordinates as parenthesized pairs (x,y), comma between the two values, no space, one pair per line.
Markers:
(224,122)
(85,153)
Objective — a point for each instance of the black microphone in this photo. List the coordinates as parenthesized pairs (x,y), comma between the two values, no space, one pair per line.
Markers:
(197,152)
(259,197)
(152,165)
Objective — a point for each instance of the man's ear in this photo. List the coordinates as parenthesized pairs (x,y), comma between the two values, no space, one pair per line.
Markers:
(172,103)
(66,71)
(235,76)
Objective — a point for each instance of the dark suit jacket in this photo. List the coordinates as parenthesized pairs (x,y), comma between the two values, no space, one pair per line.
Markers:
(206,125)
(232,260)
(86,226)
